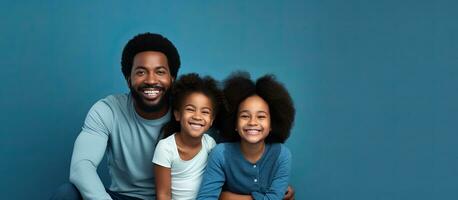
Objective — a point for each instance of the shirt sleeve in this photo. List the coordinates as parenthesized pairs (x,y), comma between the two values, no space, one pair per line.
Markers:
(163,153)
(89,150)
(281,178)
(214,176)
(209,142)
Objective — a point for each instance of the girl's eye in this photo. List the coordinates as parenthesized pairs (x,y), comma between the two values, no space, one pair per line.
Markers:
(206,112)
(244,116)
(262,117)
(189,109)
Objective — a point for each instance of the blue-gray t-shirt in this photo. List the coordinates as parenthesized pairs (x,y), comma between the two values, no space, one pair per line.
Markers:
(113,126)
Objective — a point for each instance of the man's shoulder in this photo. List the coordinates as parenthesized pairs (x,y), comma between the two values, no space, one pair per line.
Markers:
(115,99)
(112,102)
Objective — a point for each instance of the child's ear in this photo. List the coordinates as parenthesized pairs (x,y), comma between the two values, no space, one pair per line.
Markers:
(176,113)
(211,122)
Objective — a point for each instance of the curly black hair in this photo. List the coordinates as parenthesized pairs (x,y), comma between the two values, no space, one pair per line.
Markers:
(186,85)
(238,86)
(149,42)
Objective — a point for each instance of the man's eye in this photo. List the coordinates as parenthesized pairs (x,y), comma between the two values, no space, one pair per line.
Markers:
(140,72)
(262,117)
(161,72)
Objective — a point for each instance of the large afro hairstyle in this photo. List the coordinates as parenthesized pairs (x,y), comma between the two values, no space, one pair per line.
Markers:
(183,87)
(239,86)
(149,42)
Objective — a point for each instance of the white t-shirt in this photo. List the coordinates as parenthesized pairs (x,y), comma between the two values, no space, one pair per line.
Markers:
(186,174)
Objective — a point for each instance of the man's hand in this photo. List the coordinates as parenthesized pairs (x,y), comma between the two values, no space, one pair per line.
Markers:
(289,195)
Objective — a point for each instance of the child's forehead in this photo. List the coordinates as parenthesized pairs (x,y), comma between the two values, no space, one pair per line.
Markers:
(197,97)
(253,103)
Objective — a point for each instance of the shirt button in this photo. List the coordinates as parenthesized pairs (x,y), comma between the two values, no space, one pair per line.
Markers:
(254,166)
(255,180)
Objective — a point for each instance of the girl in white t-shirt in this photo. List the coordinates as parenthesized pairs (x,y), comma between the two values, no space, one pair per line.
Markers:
(180,158)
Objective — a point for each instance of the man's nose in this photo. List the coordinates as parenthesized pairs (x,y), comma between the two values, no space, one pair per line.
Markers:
(151,79)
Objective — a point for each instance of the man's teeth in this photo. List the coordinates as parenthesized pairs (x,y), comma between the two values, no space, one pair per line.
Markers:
(151,92)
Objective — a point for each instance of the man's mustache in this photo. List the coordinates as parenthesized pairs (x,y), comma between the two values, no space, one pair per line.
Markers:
(155,86)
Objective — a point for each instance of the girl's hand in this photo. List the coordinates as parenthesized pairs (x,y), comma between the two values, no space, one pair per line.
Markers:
(289,195)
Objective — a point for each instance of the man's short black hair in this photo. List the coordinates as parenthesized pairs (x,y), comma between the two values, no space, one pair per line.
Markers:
(238,87)
(149,42)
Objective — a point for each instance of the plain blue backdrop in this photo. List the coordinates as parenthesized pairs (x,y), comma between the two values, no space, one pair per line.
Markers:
(375,84)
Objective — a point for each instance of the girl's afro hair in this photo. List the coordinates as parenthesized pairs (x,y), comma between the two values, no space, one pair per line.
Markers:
(238,86)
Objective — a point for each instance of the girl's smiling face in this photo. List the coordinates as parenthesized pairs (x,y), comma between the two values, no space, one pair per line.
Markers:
(195,115)
(253,120)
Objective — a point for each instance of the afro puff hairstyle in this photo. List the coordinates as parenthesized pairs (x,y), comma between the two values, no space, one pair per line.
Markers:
(238,86)
(186,85)
(149,42)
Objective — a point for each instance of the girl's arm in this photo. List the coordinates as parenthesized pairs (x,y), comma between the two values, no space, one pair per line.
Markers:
(163,182)
(162,160)
(214,176)
(281,178)
(226,195)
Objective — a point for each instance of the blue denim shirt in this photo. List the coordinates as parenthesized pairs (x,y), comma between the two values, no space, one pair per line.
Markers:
(227,169)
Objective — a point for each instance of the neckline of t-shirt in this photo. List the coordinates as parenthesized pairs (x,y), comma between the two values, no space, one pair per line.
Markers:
(151,122)
(178,153)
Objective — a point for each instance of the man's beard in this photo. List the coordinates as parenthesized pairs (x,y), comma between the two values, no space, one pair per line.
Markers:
(163,102)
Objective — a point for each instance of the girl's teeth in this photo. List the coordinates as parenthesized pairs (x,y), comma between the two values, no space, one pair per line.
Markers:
(195,126)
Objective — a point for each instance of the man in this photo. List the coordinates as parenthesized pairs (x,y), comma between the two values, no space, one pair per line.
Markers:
(126,126)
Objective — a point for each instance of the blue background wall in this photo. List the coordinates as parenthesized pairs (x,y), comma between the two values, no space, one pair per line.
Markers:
(375,84)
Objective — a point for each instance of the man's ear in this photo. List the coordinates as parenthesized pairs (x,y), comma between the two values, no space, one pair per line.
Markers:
(128,81)
(176,114)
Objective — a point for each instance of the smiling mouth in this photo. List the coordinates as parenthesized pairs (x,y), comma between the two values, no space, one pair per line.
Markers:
(252,131)
(196,126)
(152,93)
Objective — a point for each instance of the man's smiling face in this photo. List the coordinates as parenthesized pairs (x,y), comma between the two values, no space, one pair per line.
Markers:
(150,81)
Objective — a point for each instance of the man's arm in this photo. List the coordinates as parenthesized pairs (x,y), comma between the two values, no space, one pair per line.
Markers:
(88,151)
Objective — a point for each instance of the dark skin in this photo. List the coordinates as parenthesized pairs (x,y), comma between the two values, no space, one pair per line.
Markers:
(152,68)
(253,114)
